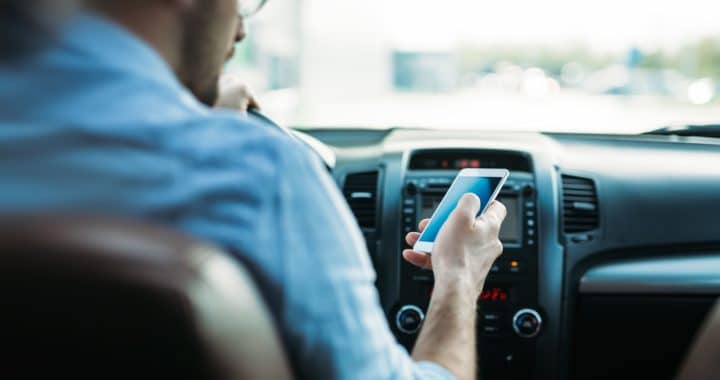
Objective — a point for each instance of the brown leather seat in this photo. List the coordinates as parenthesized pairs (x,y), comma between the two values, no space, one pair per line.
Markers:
(703,360)
(85,297)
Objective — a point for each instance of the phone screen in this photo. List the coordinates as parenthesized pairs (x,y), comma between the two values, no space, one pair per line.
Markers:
(483,187)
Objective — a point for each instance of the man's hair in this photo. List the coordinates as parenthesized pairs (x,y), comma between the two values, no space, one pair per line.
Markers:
(28,25)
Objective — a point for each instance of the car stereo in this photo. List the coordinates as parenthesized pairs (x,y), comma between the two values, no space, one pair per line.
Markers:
(508,316)
(511,233)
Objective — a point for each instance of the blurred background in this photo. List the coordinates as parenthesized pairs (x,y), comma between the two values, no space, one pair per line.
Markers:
(613,66)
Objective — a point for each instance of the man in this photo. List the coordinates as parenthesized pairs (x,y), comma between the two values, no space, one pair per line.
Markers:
(102,121)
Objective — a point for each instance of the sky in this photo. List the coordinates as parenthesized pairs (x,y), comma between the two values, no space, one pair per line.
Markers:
(608,25)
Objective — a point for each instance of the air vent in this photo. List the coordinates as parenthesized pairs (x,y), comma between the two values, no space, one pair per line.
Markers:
(580,205)
(361,193)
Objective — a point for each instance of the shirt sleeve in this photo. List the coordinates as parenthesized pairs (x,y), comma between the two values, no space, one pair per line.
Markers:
(334,324)
(268,198)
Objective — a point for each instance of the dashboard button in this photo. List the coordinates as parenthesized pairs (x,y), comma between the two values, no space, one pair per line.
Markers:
(527,323)
(490,330)
(424,278)
(508,358)
(440,181)
(409,319)
(411,189)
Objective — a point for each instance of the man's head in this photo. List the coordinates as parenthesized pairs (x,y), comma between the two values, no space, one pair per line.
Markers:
(28,25)
(212,27)
(195,37)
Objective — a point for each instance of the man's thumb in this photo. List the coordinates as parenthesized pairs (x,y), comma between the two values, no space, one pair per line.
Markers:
(467,209)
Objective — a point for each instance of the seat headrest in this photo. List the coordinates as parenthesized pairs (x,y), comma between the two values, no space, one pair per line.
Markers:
(81,294)
(701,361)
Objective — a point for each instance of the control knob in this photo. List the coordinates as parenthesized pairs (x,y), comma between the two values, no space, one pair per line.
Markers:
(409,319)
(527,323)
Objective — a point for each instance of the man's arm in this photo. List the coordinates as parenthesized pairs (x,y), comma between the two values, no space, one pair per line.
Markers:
(463,254)
(447,336)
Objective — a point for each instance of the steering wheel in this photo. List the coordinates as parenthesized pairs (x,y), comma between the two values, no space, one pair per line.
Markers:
(326,154)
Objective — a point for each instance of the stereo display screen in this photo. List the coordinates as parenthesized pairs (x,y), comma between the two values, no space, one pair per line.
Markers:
(511,231)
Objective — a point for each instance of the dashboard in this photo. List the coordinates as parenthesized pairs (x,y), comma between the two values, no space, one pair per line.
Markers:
(612,243)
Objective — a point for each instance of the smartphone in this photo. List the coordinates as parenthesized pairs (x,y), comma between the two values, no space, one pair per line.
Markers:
(485,183)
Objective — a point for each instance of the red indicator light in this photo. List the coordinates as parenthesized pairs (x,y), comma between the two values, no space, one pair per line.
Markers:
(494,294)
(490,295)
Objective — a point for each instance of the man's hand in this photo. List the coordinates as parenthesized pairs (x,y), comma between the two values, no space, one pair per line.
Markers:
(235,95)
(463,254)
(466,246)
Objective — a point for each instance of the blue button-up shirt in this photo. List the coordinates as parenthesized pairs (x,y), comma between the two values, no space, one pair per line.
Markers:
(98,123)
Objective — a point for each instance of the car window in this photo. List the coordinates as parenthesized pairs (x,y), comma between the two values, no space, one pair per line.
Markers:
(553,65)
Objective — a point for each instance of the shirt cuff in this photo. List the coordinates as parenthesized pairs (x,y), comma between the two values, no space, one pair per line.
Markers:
(430,370)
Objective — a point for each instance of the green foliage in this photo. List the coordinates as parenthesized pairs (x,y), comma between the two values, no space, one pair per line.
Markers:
(477,59)
(705,57)
(694,60)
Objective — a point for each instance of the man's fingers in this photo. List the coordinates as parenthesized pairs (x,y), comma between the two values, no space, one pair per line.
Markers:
(423,224)
(496,212)
(253,104)
(412,238)
(419,259)
(235,95)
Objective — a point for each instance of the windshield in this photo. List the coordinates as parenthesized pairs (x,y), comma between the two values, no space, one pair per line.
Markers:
(614,66)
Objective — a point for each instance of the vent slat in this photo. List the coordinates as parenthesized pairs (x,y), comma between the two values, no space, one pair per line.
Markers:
(575,220)
(579,193)
(570,199)
(580,205)
(360,191)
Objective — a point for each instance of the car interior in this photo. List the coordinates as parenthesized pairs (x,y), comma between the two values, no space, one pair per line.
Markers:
(611,262)
(596,279)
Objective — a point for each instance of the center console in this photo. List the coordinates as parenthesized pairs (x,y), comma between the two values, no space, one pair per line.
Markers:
(509,319)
